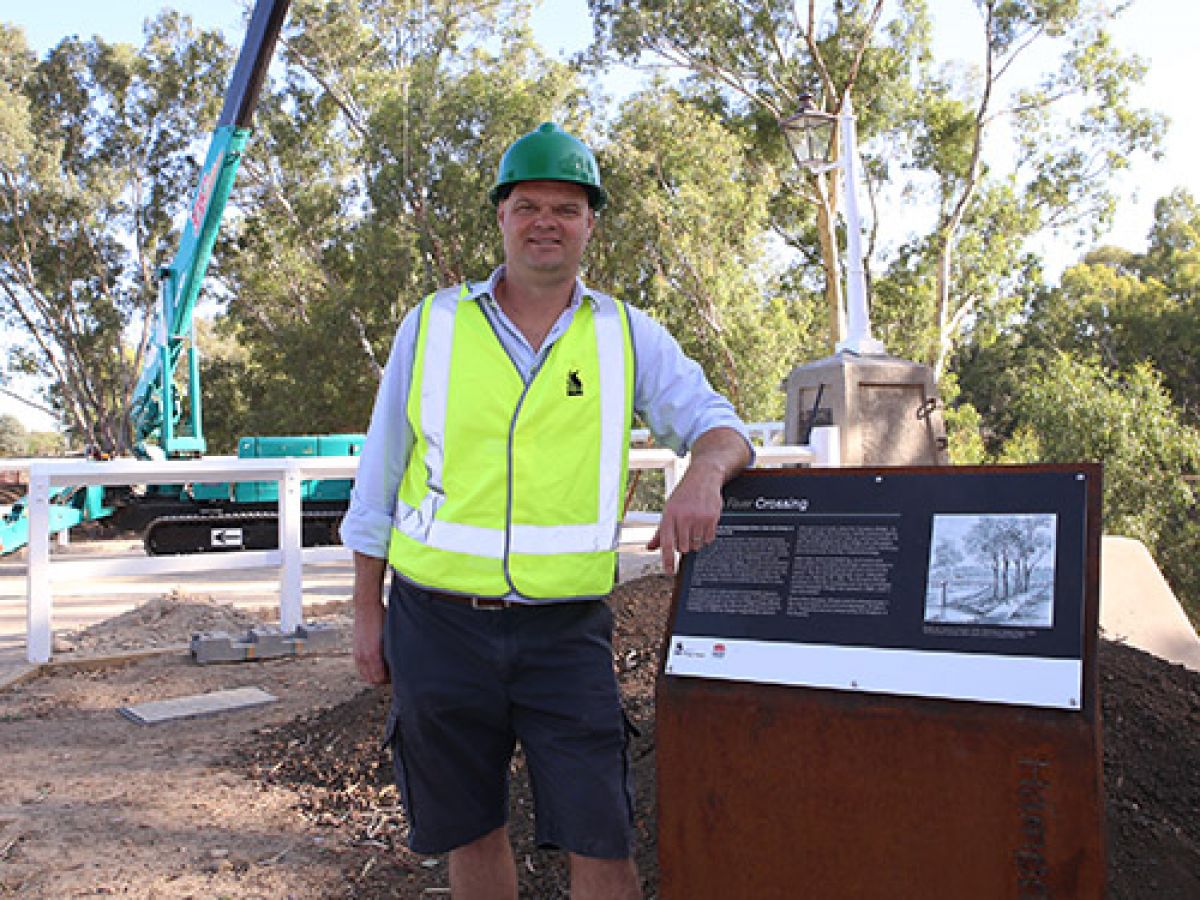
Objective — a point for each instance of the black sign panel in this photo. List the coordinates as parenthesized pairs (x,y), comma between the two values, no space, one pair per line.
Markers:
(938,574)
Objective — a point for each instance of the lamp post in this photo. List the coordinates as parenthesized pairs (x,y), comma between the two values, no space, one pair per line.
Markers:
(808,131)
(885,409)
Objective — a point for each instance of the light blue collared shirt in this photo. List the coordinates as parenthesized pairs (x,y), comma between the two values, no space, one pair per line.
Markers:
(670,393)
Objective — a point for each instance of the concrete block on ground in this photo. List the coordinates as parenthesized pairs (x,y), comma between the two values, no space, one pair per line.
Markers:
(219,646)
(263,642)
(315,636)
(269,641)
(1137,605)
(157,711)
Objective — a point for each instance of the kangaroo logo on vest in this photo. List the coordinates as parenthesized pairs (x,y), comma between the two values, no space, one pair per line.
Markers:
(574,385)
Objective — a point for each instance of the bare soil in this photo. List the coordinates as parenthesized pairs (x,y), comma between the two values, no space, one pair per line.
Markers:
(295,798)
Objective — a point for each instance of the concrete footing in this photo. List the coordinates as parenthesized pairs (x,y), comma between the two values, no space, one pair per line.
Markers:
(262,642)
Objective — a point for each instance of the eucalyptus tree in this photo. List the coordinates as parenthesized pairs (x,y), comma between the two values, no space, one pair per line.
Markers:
(1071,128)
(14,439)
(1071,407)
(754,62)
(684,238)
(1120,307)
(366,188)
(1173,261)
(96,160)
(966,164)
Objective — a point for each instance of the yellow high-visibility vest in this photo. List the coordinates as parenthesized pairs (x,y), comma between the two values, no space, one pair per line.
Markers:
(512,487)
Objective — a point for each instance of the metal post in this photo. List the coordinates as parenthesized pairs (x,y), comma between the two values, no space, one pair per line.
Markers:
(194,395)
(826,446)
(166,387)
(858,316)
(291,532)
(38,642)
(673,473)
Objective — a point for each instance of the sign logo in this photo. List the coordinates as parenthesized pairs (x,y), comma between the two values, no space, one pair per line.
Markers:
(718,651)
(692,649)
(574,385)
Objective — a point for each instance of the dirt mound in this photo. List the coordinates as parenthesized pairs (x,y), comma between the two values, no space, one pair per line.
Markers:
(170,619)
(1151,739)
(334,761)
(341,775)
(173,618)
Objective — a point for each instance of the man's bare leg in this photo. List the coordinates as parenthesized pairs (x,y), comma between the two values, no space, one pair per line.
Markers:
(484,869)
(603,879)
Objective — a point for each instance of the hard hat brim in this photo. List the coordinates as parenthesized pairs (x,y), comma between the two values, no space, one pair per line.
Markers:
(597,196)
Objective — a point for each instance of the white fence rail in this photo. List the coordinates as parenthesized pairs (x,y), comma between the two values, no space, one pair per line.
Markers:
(289,473)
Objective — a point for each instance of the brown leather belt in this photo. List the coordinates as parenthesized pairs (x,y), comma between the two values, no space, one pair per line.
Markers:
(474,602)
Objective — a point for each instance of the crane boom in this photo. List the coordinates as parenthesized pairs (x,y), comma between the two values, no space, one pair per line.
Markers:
(157,405)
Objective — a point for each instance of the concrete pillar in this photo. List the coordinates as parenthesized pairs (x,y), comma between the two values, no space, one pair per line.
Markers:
(886,409)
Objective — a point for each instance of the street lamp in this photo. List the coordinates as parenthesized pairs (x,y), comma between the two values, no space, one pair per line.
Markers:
(809,131)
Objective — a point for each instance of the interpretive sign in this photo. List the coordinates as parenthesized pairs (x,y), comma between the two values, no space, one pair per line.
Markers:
(882,684)
(961,584)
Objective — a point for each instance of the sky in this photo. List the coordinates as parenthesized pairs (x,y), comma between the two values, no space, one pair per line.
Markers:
(1163,32)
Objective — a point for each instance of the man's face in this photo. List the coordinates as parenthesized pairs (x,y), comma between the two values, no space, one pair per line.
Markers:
(546,226)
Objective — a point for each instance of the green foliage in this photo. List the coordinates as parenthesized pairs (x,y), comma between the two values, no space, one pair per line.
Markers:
(1173,260)
(1126,309)
(1073,409)
(229,376)
(14,439)
(364,190)
(752,63)
(365,185)
(964,426)
(1066,161)
(683,240)
(376,195)
(929,132)
(1101,367)
(95,162)
(45,443)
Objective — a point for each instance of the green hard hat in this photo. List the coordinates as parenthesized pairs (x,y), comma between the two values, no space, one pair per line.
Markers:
(549,154)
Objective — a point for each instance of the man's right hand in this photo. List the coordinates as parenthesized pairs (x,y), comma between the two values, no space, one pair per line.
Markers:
(368,644)
(369,616)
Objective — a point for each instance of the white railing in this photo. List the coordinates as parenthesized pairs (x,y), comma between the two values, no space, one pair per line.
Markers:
(289,473)
(823,450)
(764,433)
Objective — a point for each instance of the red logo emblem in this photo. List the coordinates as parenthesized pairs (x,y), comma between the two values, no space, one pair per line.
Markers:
(203,195)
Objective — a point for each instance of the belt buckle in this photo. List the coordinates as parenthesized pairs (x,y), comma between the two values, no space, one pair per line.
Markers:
(490,603)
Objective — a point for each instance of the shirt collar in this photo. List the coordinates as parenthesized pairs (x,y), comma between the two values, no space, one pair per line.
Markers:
(487,289)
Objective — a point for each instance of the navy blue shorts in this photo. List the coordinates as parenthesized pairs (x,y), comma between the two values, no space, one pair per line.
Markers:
(467,684)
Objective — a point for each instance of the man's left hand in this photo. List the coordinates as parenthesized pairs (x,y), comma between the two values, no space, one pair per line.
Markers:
(689,518)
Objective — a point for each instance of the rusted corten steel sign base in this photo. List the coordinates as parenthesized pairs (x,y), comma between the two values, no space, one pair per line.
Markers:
(779,791)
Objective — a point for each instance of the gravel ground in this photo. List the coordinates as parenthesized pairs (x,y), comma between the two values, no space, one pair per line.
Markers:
(295,798)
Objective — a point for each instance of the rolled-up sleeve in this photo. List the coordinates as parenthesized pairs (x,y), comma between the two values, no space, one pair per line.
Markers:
(671,392)
(367,526)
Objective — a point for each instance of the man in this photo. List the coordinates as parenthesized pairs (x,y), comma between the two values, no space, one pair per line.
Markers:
(492,482)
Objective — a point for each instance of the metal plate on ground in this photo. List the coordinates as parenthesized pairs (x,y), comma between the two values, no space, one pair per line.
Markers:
(158,711)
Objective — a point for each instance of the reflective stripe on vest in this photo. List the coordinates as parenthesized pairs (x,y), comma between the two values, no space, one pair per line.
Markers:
(515,530)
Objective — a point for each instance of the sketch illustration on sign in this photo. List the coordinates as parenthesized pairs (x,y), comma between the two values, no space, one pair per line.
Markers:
(992,570)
